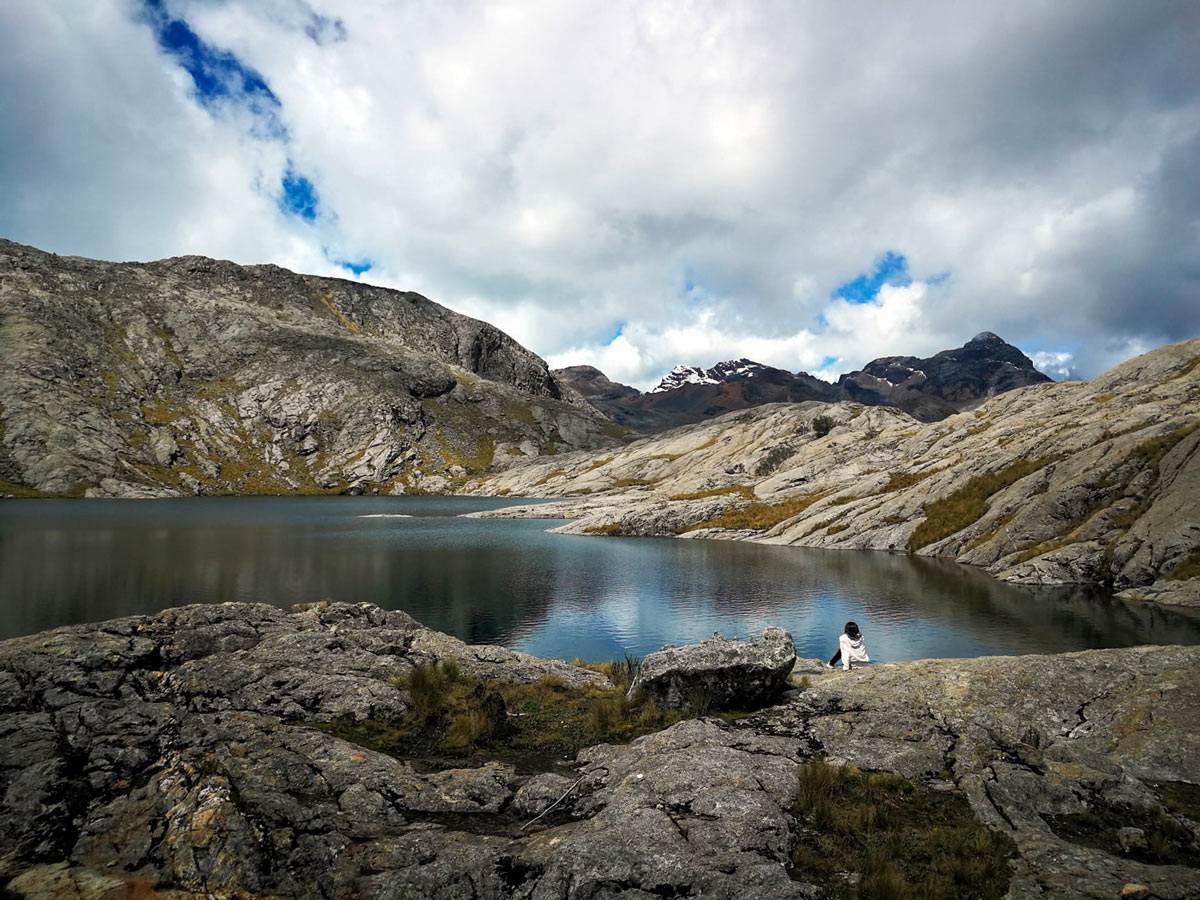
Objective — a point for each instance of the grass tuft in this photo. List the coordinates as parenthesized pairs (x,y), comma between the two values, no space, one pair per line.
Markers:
(898,481)
(904,841)
(1188,568)
(956,511)
(760,516)
(522,723)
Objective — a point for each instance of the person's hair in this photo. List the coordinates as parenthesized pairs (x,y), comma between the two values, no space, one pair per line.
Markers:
(852,629)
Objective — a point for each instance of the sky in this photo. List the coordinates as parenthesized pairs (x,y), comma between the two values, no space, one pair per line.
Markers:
(636,185)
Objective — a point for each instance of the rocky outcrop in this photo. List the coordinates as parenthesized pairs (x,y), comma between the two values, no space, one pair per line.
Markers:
(593,384)
(945,383)
(193,375)
(718,673)
(179,756)
(1081,482)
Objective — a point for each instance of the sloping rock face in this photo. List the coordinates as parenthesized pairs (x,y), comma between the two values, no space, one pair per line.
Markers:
(1082,482)
(193,375)
(175,756)
(726,674)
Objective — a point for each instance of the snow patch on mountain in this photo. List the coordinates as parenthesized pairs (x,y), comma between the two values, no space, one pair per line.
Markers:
(721,373)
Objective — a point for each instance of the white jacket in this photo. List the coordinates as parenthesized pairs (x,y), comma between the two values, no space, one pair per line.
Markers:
(854,653)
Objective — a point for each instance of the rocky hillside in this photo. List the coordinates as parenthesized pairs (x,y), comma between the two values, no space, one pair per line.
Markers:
(1095,482)
(226,751)
(930,389)
(193,375)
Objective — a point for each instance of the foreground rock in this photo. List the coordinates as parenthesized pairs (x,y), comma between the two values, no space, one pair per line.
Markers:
(1085,482)
(176,753)
(1034,741)
(718,673)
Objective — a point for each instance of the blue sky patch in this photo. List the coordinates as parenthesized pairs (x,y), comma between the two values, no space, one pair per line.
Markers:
(827,362)
(299,196)
(891,268)
(357,268)
(217,75)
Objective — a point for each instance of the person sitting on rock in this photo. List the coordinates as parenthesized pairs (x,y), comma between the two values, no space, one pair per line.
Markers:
(852,649)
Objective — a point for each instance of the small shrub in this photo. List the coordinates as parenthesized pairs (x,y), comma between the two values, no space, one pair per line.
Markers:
(775,458)
(428,685)
(818,779)
(882,879)
(611,529)
(621,672)
(607,715)
(822,425)
(904,841)
(468,729)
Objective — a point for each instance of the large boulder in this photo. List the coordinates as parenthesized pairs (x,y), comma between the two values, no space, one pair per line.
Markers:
(718,673)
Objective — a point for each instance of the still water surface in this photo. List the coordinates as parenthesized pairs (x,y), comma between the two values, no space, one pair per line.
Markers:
(507,582)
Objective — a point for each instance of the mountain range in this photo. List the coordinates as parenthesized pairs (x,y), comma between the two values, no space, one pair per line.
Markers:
(929,389)
(193,375)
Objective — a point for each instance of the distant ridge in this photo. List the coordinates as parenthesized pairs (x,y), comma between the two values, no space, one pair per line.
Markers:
(930,389)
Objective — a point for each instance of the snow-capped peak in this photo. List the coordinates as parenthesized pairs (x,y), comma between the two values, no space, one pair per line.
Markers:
(722,372)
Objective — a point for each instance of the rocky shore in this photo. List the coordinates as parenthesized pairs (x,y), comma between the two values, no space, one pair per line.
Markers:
(1076,483)
(180,756)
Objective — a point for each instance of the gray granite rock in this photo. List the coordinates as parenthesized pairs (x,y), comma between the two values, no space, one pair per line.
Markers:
(718,673)
(177,753)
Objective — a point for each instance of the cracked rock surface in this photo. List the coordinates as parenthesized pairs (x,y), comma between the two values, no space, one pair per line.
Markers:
(175,756)
(1029,739)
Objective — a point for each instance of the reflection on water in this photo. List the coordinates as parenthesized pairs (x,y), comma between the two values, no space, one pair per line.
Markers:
(504,581)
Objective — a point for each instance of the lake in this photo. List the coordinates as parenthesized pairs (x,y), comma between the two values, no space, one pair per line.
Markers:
(505,581)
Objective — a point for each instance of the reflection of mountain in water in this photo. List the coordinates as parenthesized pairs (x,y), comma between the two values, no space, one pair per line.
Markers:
(505,581)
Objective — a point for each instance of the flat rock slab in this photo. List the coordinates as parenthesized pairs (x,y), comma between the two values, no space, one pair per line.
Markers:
(718,673)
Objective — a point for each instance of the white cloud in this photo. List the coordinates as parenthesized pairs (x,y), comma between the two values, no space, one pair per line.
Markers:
(1055,364)
(568,170)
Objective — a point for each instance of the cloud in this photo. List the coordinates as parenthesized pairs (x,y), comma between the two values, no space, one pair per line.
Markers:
(726,180)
